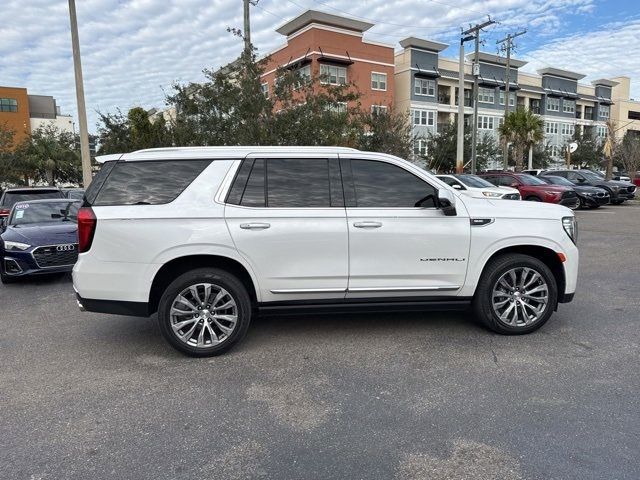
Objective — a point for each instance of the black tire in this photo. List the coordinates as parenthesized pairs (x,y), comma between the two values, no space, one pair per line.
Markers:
(533,198)
(217,277)
(6,279)
(581,203)
(492,272)
(617,202)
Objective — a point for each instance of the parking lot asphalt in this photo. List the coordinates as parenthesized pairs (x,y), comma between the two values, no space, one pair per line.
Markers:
(389,396)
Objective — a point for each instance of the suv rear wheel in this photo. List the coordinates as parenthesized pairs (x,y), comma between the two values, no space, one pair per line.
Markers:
(516,294)
(204,312)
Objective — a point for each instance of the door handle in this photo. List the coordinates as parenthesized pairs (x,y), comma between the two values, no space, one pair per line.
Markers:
(367,224)
(254,226)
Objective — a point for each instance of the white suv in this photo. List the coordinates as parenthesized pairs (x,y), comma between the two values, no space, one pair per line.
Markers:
(208,237)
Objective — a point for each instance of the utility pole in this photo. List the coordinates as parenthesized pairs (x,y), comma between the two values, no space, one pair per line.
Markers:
(82,111)
(247,27)
(460,138)
(508,40)
(475,31)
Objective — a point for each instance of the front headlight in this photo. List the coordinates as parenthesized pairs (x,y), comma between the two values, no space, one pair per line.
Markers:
(492,194)
(15,245)
(570,226)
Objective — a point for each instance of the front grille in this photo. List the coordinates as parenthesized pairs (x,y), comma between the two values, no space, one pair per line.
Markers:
(511,196)
(602,194)
(56,255)
(569,194)
(631,189)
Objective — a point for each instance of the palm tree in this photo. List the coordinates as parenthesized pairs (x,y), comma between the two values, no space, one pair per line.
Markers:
(523,129)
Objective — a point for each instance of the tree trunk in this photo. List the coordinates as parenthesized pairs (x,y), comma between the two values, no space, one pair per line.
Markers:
(519,152)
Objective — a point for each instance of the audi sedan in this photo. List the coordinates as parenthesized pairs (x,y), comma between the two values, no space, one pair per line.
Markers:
(39,237)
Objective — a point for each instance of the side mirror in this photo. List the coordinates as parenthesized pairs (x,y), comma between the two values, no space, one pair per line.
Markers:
(514,185)
(457,186)
(580,180)
(447,202)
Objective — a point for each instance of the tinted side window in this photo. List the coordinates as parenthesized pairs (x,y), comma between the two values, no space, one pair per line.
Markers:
(148,182)
(380,184)
(253,194)
(506,181)
(573,176)
(97,182)
(298,183)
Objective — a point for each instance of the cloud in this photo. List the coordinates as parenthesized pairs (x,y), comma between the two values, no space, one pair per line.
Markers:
(133,50)
(603,53)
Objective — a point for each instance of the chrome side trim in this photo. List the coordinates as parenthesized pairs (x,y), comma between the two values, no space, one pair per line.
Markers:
(404,289)
(309,290)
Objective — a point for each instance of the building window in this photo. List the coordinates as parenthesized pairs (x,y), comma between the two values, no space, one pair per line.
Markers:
(425,87)
(567,129)
(551,127)
(265,89)
(420,147)
(486,123)
(553,104)
(512,98)
(333,75)
(8,105)
(378,109)
(568,106)
(338,107)
(633,115)
(554,151)
(379,81)
(424,117)
(486,95)
(601,131)
(603,111)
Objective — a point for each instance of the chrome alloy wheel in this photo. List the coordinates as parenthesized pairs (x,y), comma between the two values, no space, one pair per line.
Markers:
(520,297)
(203,315)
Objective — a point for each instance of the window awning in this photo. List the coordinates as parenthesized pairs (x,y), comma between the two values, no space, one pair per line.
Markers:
(297,64)
(335,59)
(424,73)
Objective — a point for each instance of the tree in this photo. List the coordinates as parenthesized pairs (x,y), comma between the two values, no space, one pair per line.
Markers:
(118,133)
(442,149)
(628,154)
(542,155)
(55,155)
(589,151)
(523,129)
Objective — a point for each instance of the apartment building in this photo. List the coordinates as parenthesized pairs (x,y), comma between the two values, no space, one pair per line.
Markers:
(24,113)
(334,49)
(427,90)
(625,110)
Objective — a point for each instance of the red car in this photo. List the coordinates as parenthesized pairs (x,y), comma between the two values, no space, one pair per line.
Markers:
(534,189)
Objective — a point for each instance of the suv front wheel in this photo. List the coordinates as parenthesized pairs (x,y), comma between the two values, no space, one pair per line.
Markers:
(516,294)
(204,312)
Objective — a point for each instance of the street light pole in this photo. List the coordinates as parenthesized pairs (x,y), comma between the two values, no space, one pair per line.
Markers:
(82,111)
(460,139)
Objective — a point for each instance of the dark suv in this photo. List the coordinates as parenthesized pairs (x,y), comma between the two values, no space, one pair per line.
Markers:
(619,191)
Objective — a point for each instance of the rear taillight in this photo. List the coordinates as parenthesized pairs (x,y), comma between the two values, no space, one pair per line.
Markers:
(86,228)
(4,212)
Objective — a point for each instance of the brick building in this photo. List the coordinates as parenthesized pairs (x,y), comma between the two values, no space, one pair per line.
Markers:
(332,47)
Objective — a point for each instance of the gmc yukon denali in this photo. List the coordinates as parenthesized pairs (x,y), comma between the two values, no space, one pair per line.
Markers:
(209,237)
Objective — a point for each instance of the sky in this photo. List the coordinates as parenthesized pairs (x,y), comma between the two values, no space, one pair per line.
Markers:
(133,51)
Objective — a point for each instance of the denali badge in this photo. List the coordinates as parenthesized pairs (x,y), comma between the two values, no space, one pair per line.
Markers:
(442,259)
(66,248)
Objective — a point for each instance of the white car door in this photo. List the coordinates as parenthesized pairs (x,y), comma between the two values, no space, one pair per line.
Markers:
(400,243)
(287,219)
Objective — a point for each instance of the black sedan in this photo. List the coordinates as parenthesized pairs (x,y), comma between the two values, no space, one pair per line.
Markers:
(39,237)
(619,191)
(591,197)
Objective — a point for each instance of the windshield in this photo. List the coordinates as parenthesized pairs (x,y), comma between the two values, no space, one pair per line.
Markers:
(530,180)
(589,175)
(475,181)
(75,194)
(555,180)
(11,198)
(49,212)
